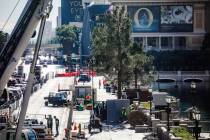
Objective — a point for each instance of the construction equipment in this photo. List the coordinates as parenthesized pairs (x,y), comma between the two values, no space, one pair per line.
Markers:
(34,12)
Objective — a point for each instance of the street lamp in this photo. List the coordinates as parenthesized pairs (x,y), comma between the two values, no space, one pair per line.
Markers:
(150,101)
(193,90)
(92,62)
(168,111)
(196,116)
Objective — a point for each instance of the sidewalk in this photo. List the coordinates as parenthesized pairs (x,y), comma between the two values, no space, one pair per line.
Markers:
(102,95)
(110,132)
(83,117)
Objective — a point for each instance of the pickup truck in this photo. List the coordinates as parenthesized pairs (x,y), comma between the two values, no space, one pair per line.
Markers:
(56,99)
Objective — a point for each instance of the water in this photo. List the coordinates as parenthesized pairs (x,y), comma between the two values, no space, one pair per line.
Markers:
(201,98)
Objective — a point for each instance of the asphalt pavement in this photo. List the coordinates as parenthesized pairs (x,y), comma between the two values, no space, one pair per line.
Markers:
(38,110)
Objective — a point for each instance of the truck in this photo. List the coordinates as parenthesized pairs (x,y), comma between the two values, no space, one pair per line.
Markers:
(9,134)
(56,99)
(39,127)
(85,94)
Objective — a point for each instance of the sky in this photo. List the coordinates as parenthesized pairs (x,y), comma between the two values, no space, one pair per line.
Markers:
(6,7)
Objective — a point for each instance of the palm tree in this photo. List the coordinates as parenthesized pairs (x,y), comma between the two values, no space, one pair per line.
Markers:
(140,63)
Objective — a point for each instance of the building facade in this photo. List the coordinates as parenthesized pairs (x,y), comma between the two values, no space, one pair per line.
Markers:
(168,24)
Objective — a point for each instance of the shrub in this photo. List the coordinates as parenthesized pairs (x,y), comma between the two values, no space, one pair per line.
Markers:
(183,133)
(146,105)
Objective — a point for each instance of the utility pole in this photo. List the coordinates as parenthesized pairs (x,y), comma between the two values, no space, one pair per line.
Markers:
(29,86)
(71,107)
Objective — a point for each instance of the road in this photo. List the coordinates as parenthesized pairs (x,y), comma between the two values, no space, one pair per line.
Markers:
(37,108)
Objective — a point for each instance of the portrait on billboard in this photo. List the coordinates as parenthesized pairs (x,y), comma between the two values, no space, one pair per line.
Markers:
(144,19)
(177,18)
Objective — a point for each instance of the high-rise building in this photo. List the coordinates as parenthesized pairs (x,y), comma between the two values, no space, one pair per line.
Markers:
(47,34)
(59,17)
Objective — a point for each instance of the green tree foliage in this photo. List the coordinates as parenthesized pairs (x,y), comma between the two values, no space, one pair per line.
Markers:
(183,133)
(114,52)
(66,33)
(140,64)
(111,44)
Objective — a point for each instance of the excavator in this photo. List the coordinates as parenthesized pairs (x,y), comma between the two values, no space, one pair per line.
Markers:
(35,12)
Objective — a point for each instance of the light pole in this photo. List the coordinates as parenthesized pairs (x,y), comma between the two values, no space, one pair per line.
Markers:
(92,62)
(193,91)
(168,111)
(196,116)
(150,101)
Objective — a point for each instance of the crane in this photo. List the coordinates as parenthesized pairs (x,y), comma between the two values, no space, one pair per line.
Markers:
(19,38)
(34,12)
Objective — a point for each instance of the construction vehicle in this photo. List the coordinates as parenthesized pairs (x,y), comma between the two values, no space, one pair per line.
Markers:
(34,12)
(95,123)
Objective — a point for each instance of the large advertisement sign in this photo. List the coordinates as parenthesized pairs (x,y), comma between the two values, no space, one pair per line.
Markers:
(72,11)
(176,18)
(144,19)
(167,18)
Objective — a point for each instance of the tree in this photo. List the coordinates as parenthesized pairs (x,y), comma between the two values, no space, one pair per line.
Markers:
(140,63)
(67,35)
(111,43)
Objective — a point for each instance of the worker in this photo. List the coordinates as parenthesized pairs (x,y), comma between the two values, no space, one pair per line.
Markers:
(49,124)
(56,125)
(123,114)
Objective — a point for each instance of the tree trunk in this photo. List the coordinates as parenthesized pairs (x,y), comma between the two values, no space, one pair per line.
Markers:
(119,86)
(136,78)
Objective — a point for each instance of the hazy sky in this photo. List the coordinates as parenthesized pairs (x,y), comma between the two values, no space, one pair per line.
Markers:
(6,7)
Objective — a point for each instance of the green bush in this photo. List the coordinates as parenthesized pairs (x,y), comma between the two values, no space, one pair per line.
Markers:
(183,133)
(146,105)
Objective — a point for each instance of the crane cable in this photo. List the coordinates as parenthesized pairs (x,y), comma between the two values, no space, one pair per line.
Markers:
(4,25)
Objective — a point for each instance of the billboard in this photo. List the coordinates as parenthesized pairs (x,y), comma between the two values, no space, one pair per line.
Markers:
(144,19)
(176,18)
(72,11)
